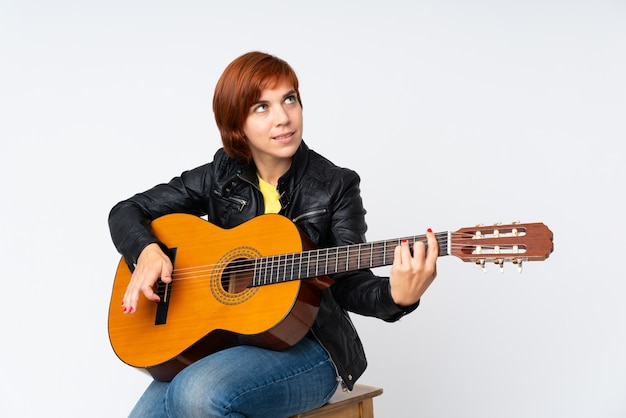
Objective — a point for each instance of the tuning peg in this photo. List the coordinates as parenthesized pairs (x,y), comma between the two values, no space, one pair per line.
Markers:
(500,263)
(519,264)
(481,263)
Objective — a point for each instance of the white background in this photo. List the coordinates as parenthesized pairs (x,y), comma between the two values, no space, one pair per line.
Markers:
(454,113)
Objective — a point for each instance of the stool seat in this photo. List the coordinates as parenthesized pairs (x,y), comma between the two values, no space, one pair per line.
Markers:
(358,403)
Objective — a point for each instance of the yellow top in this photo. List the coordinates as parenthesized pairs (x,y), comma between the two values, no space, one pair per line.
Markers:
(270,196)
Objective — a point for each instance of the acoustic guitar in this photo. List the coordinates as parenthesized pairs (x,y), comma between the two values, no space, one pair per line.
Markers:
(260,284)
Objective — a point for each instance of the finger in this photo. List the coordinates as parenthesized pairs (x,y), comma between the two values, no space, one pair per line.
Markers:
(406,250)
(403,252)
(129,304)
(433,247)
(397,255)
(419,250)
(131,299)
(166,272)
(148,292)
(139,284)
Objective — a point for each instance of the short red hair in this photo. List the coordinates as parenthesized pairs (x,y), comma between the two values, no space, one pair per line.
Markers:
(240,87)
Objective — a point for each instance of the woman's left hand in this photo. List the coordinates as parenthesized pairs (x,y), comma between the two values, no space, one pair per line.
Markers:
(411,275)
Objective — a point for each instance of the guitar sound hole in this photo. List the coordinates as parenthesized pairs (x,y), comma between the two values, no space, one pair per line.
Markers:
(237,276)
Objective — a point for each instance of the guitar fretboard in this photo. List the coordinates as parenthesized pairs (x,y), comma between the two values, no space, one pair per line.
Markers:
(327,261)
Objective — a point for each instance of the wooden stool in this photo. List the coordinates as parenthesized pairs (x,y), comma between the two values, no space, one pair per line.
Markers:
(357,403)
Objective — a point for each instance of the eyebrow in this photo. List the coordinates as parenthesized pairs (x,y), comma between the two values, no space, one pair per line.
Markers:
(291,92)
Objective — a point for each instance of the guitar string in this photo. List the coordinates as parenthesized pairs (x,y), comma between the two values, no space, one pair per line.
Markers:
(368,244)
(331,263)
(338,251)
(315,256)
(244,268)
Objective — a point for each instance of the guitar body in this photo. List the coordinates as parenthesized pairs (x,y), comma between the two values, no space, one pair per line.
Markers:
(210,307)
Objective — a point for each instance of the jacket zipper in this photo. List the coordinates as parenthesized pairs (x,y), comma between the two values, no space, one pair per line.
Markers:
(311,213)
(241,202)
(344,387)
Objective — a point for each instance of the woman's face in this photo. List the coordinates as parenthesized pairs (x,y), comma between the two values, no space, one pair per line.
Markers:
(273,127)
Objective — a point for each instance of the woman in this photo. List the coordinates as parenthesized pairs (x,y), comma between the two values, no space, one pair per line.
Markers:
(265,167)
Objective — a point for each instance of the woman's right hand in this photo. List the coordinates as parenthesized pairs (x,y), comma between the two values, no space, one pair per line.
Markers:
(152,264)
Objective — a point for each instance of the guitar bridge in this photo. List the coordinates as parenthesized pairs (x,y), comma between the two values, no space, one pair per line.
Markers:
(164,290)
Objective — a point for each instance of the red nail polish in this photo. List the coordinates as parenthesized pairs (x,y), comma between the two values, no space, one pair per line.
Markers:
(429,230)
(131,310)
(125,309)
(403,241)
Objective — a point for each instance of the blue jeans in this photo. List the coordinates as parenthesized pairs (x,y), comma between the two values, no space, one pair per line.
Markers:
(243,382)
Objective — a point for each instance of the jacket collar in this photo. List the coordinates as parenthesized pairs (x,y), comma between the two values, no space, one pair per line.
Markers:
(296,170)
(288,181)
(298,165)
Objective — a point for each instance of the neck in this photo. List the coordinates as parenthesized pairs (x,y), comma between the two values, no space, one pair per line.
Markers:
(271,173)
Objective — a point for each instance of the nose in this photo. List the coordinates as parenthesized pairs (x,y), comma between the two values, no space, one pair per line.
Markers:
(281,116)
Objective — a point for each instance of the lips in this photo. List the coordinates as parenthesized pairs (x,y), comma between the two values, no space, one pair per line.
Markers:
(284,137)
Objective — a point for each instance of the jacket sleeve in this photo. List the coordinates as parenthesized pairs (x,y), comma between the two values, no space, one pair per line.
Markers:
(361,291)
(129,220)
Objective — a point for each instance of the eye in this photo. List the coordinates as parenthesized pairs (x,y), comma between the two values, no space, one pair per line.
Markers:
(259,108)
(291,99)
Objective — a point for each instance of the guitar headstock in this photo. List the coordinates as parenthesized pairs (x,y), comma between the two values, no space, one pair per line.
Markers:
(515,243)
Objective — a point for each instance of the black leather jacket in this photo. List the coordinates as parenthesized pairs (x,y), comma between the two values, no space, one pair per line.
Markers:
(323,200)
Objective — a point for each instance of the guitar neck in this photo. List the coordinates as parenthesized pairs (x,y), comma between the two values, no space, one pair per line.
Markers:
(328,261)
